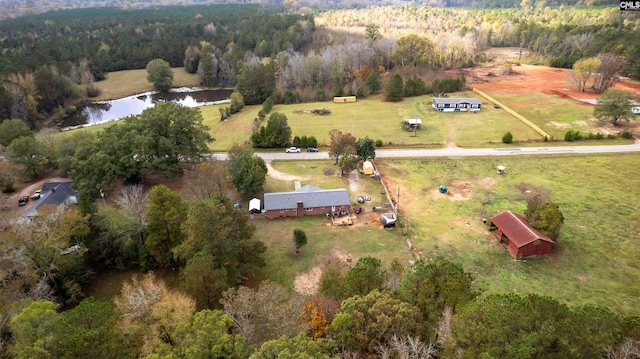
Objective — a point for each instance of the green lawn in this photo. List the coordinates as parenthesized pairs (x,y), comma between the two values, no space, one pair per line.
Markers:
(365,237)
(130,82)
(596,261)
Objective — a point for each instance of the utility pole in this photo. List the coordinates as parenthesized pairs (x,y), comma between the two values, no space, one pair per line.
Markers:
(397,202)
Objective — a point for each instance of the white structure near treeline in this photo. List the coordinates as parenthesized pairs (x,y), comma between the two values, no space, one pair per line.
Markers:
(445,104)
(413,122)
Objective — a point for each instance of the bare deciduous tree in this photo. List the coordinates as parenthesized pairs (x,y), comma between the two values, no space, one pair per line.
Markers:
(266,313)
(412,347)
(209,179)
(629,349)
(133,200)
(610,64)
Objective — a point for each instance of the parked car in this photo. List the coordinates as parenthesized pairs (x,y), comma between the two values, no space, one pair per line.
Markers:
(36,195)
(23,200)
(293,150)
(635,110)
(312,149)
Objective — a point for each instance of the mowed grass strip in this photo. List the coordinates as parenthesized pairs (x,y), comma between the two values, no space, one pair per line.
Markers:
(553,114)
(596,260)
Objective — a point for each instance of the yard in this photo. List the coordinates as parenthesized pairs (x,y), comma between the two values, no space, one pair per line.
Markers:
(595,262)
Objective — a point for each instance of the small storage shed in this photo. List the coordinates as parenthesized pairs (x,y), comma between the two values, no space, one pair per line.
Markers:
(413,122)
(522,240)
(367,167)
(344,99)
(254,205)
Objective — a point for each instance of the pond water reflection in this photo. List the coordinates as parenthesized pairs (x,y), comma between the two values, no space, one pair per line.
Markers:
(106,111)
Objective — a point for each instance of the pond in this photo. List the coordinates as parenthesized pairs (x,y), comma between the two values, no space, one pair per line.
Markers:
(106,111)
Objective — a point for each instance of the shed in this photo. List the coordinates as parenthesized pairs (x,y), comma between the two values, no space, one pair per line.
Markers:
(413,122)
(367,167)
(344,99)
(254,205)
(522,240)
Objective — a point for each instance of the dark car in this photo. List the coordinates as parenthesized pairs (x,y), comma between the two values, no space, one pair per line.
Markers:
(495,105)
(312,149)
(23,200)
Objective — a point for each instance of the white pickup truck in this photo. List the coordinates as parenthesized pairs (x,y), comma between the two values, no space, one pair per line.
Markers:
(293,150)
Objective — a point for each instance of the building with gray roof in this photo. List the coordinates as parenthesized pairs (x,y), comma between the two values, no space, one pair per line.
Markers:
(306,201)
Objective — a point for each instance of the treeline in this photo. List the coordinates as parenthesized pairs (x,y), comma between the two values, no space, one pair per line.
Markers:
(428,309)
(114,39)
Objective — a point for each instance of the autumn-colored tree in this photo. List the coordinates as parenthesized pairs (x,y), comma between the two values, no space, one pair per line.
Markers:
(318,313)
(151,315)
(584,69)
(341,143)
(209,179)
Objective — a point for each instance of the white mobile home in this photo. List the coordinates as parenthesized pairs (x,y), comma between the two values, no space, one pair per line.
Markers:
(456,104)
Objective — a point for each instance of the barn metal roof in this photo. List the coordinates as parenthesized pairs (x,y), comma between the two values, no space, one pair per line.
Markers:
(517,229)
(456,100)
(310,196)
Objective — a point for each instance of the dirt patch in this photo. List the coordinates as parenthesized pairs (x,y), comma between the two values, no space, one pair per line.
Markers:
(273,173)
(456,191)
(529,78)
(308,283)
(354,181)
(583,277)
(529,191)
(487,182)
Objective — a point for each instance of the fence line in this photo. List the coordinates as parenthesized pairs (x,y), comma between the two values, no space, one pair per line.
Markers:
(514,114)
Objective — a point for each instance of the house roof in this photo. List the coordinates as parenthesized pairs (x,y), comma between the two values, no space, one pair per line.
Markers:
(456,100)
(310,196)
(517,229)
(53,193)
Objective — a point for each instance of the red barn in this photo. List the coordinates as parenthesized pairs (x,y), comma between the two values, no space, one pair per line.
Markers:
(523,240)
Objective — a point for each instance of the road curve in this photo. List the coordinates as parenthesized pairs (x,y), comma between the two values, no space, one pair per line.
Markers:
(457,152)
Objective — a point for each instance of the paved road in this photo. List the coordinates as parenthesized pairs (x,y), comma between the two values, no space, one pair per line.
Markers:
(459,152)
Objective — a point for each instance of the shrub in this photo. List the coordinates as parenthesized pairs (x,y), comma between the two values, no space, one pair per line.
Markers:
(626,134)
(572,135)
(296,141)
(507,138)
(379,143)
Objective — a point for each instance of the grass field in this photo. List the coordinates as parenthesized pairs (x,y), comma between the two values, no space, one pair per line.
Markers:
(553,114)
(596,260)
(130,82)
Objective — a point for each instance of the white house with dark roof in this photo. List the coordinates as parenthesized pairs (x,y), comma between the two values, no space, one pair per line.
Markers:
(445,104)
(306,201)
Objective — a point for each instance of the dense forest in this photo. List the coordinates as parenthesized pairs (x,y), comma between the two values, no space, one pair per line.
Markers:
(425,309)
(51,60)
(17,8)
